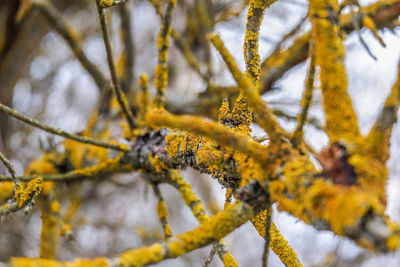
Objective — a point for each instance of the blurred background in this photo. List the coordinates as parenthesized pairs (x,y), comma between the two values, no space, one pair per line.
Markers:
(41,77)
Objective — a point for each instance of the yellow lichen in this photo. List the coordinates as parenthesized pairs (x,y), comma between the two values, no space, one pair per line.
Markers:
(214,229)
(106,3)
(229,261)
(50,234)
(142,256)
(263,112)
(6,190)
(174,142)
(341,120)
(278,244)
(65,229)
(32,189)
(156,162)
(55,206)
(163,216)
(191,200)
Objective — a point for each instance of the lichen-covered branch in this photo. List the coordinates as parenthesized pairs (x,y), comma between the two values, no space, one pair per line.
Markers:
(51,225)
(162,212)
(209,232)
(196,206)
(24,197)
(278,244)
(354,211)
(204,127)
(341,120)
(219,226)
(280,61)
(161,71)
(378,140)
(180,43)
(264,114)
(255,15)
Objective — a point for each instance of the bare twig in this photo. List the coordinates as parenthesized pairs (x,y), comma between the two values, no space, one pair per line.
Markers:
(129,48)
(72,38)
(9,166)
(211,256)
(306,99)
(117,90)
(47,128)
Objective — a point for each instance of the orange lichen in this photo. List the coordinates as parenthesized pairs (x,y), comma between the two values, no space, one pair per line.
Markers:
(340,207)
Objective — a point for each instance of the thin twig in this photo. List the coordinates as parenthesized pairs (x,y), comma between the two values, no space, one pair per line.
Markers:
(306,99)
(355,22)
(73,39)
(197,208)
(11,170)
(211,256)
(109,166)
(181,44)
(117,90)
(267,236)
(47,128)
(291,33)
(9,166)
(129,48)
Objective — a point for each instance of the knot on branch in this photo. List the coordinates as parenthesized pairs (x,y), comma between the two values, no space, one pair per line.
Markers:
(334,161)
